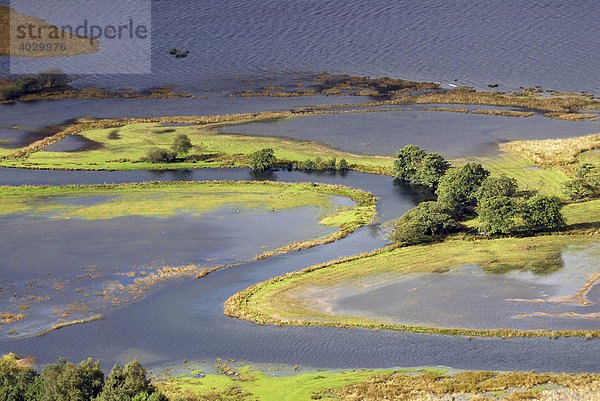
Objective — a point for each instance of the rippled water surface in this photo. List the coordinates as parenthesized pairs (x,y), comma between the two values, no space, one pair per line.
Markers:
(512,43)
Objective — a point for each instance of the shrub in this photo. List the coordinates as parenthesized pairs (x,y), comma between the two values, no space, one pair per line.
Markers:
(158,155)
(113,135)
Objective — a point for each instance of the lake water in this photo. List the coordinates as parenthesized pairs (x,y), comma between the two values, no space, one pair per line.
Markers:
(512,43)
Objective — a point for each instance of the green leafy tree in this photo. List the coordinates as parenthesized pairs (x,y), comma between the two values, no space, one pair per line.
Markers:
(423,222)
(18,383)
(63,381)
(542,213)
(493,187)
(181,145)
(458,187)
(407,162)
(127,384)
(431,169)
(500,215)
(262,160)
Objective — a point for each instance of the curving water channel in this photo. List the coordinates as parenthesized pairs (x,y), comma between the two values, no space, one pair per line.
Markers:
(186,320)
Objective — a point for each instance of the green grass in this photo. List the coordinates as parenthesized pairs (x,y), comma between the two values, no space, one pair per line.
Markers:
(272,301)
(582,213)
(228,150)
(258,385)
(167,198)
(590,156)
(546,181)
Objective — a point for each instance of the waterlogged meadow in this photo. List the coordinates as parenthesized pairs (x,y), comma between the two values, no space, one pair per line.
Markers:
(71,252)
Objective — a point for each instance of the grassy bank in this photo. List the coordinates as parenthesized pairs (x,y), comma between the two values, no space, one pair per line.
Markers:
(273,301)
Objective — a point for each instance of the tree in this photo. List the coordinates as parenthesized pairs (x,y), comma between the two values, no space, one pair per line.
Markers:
(181,145)
(407,162)
(262,160)
(431,169)
(458,187)
(64,381)
(423,222)
(500,215)
(493,187)
(127,384)
(341,165)
(542,213)
(17,383)
(331,164)
(158,155)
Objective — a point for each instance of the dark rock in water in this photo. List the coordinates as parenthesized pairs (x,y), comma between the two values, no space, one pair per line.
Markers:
(493,85)
(182,53)
(173,51)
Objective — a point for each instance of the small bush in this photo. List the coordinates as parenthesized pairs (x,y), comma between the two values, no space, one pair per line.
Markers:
(158,155)
(113,135)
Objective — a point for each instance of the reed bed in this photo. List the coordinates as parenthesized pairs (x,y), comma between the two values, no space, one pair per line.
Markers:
(553,152)
(71,323)
(450,109)
(571,116)
(482,386)
(506,113)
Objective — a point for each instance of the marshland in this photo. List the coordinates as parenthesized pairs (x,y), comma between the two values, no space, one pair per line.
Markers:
(113,253)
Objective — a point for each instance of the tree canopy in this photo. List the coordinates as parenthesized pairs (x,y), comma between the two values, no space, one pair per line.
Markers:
(425,221)
(181,144)
(262,160)
(415,166)
(458,187)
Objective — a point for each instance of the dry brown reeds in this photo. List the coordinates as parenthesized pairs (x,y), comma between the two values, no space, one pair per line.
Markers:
(506,113)
(553,152)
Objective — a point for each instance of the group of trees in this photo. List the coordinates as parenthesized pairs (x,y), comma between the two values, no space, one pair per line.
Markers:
(319,164)
(586,183)
(264,159)
(64,381)
(181,146)
(464,190)
(32,84)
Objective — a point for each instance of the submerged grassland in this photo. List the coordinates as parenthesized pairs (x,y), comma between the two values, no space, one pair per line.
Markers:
(170,198)
(276,300)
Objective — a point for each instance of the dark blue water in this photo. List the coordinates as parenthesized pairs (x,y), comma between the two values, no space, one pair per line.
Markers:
(548,43)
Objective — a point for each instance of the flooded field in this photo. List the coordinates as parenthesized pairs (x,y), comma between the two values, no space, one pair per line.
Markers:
(466,297)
